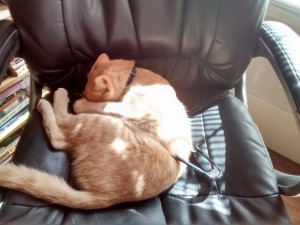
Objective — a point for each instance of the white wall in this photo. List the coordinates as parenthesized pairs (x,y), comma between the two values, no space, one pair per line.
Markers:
(267,101)
(271,110)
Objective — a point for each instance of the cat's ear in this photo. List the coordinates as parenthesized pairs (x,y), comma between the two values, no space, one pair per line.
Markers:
(103,83)
(103,58)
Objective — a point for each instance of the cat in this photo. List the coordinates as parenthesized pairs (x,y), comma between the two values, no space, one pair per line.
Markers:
(121,139)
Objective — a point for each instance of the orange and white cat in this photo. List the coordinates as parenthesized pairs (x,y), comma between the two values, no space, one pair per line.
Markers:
(121,140)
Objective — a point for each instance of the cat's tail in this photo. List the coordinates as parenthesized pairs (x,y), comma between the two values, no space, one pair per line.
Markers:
(48,187)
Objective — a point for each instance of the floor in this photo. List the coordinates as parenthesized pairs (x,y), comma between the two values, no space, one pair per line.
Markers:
(285,165)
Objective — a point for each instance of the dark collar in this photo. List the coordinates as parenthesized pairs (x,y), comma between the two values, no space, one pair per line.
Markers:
(131,76)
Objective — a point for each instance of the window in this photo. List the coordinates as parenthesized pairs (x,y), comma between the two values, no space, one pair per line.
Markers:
(286,11)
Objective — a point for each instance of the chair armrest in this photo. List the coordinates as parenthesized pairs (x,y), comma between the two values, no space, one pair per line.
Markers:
(288,185)
(281,46)
(9,44)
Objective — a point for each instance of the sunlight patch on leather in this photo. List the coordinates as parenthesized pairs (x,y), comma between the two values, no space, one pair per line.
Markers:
(214,203)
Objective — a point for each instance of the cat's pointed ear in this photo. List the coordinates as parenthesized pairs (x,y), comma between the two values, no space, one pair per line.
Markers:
(103,58)
(103,83)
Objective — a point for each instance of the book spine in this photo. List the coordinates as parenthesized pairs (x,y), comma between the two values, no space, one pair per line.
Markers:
(11,104)
(17,63)
(5,100)
(8,82)
(9,150)
(11,90)
(13,112)
(7,106)
(13,120)
(14,127)
(11,138)
(7,160)
(4,149)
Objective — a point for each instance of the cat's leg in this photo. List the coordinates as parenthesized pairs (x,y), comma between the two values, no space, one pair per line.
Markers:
(60,104)
(84,106)
(53,132)
(119,108)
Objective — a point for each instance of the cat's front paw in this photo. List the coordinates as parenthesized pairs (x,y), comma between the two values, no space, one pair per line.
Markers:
(43,105)
(61,93)
(80,105)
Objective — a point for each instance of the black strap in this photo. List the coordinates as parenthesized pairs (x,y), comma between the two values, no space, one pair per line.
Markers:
(214,174)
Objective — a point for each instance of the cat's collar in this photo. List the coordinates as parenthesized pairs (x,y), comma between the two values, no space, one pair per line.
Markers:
(131,75)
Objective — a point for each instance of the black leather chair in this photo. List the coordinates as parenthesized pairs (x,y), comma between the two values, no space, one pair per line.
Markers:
(203,48)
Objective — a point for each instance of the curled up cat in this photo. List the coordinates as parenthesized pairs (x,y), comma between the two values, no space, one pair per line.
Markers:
(121,139)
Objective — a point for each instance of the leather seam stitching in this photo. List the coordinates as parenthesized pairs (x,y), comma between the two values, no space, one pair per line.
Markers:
(66,32)
(281,48)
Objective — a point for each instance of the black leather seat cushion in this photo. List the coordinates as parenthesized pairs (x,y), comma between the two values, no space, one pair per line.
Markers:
(247,195)
(225,131)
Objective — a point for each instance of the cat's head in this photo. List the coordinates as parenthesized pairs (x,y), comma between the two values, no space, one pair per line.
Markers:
(107,79)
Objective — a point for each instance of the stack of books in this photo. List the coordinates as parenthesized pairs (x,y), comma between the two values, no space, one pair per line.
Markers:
(14,102)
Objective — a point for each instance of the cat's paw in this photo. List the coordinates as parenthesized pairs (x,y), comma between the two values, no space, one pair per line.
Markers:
(61,93)
(43,105)
(79,105)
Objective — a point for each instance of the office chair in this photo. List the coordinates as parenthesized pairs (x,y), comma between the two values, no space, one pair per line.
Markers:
(203,48)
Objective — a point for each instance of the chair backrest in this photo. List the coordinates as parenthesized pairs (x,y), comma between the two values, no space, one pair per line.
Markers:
(193,43)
